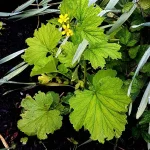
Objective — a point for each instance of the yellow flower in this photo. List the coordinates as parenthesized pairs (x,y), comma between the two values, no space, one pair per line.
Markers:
(63,18)
(67,30)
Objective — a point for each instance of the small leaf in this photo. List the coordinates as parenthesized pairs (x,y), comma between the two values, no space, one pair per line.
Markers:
(146,68)
(127,7)
(136,132)
(97,54)
(37,118)
(68,52)
(47,65)
(145,118)
(62,68)
(24,140)
(133,51)
(44,79)
(126,37)
(146,136)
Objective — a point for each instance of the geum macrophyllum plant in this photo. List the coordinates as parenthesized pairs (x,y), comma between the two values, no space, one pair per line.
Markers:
(99,103)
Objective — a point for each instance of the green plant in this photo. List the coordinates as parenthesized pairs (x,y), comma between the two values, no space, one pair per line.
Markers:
(74,51)
(98,98)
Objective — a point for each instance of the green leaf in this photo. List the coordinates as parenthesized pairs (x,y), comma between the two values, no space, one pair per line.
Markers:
(145,4)
(44,41)
(146,136)
(136,132)
(104,73)
(54,21)
(62,68)
(24,140)
(75,74)
(102,110)
(46,65)
(145,118)
(97,54)
(127,7)
(133,51)
(67,54)
(87,21)
(126,37)
(68,7)
(37,118)
(92,34)
(146,68)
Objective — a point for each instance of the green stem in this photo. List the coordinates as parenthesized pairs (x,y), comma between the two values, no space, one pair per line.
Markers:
(85,72)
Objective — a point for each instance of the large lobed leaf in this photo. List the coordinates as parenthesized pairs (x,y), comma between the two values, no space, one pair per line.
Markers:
(87,24)
(44,41)
(87,20)
(87,28)
(101,110)
(42,44)
(37,118)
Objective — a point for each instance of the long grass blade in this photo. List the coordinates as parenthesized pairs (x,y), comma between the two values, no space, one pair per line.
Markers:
(103,12)
(11,56)
(86,142)
(13,74)
(43,2)
(59,49)
(148,144)
(111,4)
(143,102)
(140,65)
(29,13)
(23,6)
(122,19)
(48,11)
(14,82)
(142,24)
(6,14)
(16,67)
(22,89)
(82,46)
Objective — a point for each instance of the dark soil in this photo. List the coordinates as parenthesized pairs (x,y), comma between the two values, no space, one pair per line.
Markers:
(13,39)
